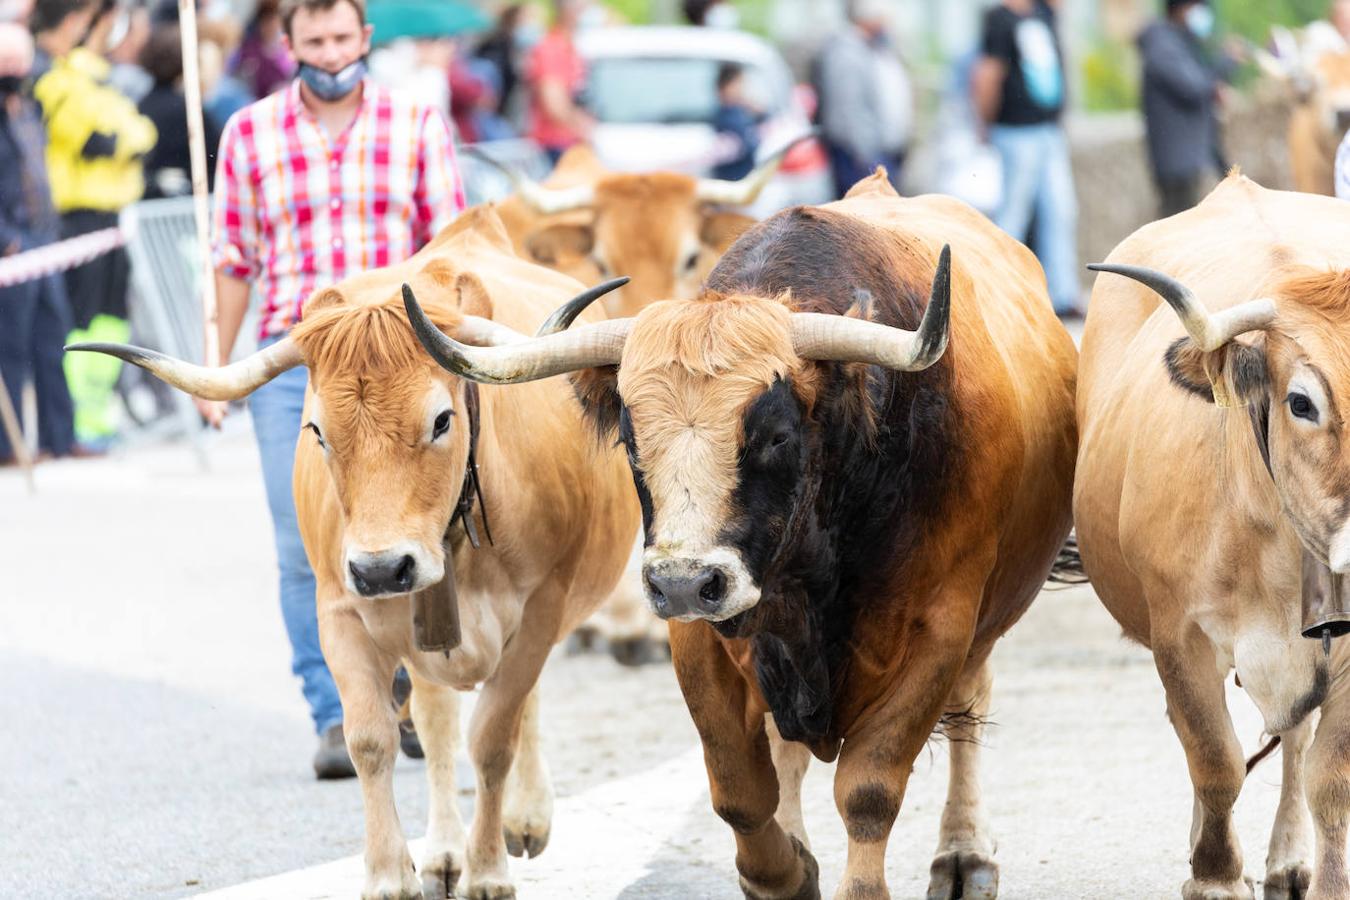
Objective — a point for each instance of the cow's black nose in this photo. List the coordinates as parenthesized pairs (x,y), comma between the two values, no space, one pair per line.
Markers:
(377,573)
(698,593)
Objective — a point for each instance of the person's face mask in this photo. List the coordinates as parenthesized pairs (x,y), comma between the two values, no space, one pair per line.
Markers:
(1200,20)
(10,85)
(332,86)
(723,15)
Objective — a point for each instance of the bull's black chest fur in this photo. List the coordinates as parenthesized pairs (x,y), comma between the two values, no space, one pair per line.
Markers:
(831,536)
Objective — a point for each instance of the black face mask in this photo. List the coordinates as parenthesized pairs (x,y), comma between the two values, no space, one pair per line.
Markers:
(10,85)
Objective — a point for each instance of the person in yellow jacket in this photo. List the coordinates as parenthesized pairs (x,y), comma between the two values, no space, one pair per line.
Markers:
(96,141)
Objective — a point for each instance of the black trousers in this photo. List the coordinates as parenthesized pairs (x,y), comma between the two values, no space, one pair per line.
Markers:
(98,287)
(34,322)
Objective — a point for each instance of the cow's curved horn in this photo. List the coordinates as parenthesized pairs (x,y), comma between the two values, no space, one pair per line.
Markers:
(744,191)
(232,382)
(543,200)
(845,339)
(1210,331)
(599,344)
(563,317)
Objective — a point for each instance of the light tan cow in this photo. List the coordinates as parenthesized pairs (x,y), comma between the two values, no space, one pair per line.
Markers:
(1319,85)
(377,477)
(1193,542)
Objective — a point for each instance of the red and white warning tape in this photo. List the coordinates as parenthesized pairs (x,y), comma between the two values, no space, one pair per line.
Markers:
(58,257)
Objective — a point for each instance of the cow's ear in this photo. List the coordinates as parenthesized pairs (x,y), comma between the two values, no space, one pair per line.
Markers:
(1234,373)
(324,299)
(554,244)
(472,297)
(720,229)
(598,392)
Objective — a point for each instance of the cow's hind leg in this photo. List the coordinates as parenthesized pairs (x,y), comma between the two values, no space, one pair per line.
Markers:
(790,761)
(363,674)
(493,734)
(744,786)
(435,712)
(528,815)
(1288,872)
(964,865)
(1328,775)
(1199,712)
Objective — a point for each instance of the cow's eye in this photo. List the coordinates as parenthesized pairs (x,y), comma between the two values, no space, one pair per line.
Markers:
(778,440)
(442,423)
(318,435)
(1301,406)
(691,262)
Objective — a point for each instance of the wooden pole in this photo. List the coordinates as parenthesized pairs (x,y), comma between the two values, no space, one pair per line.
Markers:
(192,91)
(9,418)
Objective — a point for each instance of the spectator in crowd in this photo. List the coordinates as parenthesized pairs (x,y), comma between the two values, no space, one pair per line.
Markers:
(1018,88)
(96,140)
(866,105)
(735,122)
(1181,89)
(34,315)
(168,167)
(262,62)
(556,75)
(503,47)
(711,13)
(318,131)
(120,37)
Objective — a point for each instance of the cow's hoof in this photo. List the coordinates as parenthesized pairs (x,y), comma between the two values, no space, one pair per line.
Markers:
(489,889)
(529,840)
(1195,889)
(439,876)
(1288,883)
(408,890)
(636,651)
(967,874)
(808,888)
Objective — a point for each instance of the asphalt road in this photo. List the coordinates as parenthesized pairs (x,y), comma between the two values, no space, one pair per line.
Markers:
(154,743)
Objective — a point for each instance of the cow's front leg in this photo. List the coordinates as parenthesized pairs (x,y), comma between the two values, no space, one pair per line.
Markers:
(528,815)
(493,734)
(1199,712)
(1328,778)
(964,865)
(744,785)
(878,755)
(435,712)
(363,674)
(1288,872)
(790,761)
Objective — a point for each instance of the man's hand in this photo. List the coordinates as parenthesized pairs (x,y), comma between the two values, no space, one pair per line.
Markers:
(213,411)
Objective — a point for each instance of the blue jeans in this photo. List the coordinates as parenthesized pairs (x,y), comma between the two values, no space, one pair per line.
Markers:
(276,408)
(1037,178)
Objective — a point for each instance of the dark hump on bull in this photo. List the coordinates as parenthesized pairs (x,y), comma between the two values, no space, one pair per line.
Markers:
(828,260)
(882,487)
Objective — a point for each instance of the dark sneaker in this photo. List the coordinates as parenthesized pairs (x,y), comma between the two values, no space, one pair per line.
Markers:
(332,759)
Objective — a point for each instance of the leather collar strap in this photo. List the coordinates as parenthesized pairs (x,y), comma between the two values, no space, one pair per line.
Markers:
(472,488)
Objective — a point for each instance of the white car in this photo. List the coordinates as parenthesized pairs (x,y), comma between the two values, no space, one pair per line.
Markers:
(653,91)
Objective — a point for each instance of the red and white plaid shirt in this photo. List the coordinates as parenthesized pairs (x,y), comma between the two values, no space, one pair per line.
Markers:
(297,211)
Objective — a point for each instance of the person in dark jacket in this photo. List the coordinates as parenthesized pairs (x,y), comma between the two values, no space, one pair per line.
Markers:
(735,124)
(1182,88)
(34,315)
(168,165)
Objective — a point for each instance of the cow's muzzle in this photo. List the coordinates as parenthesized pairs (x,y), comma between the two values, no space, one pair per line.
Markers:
(397,570)
(681,589)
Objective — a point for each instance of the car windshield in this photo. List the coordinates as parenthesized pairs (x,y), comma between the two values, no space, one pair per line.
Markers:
(665,90)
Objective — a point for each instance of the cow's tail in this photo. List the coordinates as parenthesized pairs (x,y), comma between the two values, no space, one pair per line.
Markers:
(1068,567)
(1261,754)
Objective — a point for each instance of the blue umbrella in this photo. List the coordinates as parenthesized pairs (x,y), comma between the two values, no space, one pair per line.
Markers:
(424,18)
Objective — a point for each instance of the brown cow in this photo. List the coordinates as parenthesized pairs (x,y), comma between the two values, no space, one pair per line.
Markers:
(377,482)
(663,230)
(1213,459)
(840,519)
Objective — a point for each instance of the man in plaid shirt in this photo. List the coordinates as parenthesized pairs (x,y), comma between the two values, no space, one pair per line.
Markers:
(330,176)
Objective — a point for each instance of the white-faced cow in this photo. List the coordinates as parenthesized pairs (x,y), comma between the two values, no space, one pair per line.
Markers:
(840,517)
(377,481)
(1214,461)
